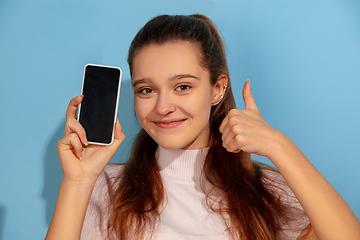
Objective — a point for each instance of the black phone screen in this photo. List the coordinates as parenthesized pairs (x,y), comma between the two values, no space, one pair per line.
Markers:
(98,110)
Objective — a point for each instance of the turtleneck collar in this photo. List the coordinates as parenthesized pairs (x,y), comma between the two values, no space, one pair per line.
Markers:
(180,164)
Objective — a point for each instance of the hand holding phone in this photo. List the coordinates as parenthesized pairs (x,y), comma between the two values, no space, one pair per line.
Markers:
(98,110)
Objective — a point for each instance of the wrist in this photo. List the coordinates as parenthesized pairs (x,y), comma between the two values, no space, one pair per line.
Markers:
(81,184)
(279,145)
(70,209)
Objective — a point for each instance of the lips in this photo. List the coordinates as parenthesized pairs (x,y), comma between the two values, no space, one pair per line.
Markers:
(165,124)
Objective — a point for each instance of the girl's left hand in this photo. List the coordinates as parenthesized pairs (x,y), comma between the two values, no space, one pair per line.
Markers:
(246,130)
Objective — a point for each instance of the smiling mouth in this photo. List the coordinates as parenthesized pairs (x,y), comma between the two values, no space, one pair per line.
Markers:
(169,124)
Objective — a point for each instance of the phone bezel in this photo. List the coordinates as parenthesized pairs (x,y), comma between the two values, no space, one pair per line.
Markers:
(117,101)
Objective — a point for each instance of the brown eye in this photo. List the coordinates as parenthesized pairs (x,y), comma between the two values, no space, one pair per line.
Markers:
(182,87)
(145,91)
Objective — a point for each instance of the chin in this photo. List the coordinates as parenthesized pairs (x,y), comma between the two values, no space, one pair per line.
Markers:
(170,145)
(182,140)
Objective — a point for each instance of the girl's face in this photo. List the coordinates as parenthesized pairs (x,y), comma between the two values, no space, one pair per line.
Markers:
(173,95)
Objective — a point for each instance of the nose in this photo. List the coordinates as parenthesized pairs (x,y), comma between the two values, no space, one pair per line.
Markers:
(165,104)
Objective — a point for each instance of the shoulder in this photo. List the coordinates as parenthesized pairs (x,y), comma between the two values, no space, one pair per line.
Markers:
(276,184)
(106,182)
(97,214)
(297,220)
(112,171)
(110,174)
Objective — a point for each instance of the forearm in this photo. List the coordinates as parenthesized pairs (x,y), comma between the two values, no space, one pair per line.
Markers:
(70,210)
(330,216)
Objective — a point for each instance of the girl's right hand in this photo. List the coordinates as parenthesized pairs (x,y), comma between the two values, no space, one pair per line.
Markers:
(80,161)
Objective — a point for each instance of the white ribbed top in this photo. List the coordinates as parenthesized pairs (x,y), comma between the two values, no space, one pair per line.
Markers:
(185,215)
(183,165)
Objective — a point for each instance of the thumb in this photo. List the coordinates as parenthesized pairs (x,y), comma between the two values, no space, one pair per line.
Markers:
(248,97)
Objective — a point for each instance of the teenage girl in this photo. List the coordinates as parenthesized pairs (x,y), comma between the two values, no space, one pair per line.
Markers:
(190,175)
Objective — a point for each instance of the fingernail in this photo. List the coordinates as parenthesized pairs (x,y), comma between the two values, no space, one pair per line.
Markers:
(80,156)
(81,96)
(85,141)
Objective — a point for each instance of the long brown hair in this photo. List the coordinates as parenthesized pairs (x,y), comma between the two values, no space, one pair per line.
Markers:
(249,200)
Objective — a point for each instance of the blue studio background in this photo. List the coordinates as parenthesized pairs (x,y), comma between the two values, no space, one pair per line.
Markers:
(303,59)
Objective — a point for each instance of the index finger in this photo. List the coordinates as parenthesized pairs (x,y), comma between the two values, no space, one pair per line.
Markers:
(73,106)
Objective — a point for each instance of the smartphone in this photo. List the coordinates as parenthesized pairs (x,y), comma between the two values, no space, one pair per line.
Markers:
(97,112)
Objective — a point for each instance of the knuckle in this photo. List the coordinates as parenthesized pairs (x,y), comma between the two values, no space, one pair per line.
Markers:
(74,126)
(233,120)
(68,125)
(232,112)
(122,137)
(236,129)
(59,143)
(238,139)
(74,138)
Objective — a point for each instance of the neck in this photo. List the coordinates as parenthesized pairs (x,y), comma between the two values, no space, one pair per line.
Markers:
(181,164)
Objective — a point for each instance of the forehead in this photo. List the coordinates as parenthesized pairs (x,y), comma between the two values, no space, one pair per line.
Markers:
(172,57)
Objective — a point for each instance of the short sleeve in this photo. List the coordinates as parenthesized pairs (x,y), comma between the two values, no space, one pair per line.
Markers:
(95,224)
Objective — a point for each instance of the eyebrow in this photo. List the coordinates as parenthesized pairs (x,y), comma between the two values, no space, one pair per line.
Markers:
(173,78)
(181,76)
(142,80)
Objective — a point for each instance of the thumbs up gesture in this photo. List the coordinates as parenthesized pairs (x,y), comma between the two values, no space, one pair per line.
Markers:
(246,130)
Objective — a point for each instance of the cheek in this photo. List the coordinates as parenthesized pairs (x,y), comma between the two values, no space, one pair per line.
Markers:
(198,104)
(142,109)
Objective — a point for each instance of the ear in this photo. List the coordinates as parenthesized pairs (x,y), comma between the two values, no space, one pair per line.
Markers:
(219,89)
